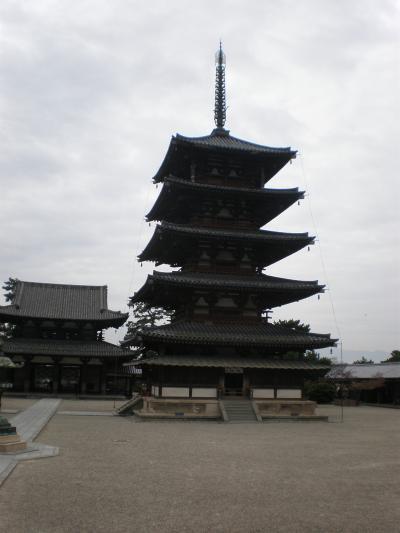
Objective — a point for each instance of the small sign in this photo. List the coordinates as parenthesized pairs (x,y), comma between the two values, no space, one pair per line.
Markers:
(233,370)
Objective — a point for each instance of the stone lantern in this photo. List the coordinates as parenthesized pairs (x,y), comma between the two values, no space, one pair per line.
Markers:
(10,441)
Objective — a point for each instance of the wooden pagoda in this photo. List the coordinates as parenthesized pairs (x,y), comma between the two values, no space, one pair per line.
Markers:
(211,207)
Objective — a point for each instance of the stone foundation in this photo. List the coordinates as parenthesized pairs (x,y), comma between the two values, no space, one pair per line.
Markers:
(286,409)
(179,409)
(11,443)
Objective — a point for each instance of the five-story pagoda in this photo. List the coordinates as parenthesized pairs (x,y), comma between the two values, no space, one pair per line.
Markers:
(210,210)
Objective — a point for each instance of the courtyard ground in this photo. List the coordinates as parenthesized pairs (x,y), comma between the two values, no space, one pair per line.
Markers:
(117,475)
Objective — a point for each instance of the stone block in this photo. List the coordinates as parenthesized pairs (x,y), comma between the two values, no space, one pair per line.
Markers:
(11,443)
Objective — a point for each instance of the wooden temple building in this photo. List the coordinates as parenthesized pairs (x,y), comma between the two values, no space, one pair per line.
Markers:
(212,204)
(57,335)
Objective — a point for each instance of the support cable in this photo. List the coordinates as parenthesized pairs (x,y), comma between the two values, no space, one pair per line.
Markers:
(139,241)
(320,252)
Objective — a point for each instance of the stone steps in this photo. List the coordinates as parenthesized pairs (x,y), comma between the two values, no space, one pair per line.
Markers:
(239,410)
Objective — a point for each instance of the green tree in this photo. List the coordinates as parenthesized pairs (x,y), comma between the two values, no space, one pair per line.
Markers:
(320,391)
(393,358)
(295,325)
(313,357)
(9,286)
(310,356)
(363,361)
(145,316)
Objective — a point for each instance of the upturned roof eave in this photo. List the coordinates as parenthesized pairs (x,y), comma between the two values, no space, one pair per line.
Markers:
(257,237)
(160,172)
(231,362)
(267,336)
(299,289)
(237,144)
(61,302)
(13,315)
(63,348)
(260,194)
(176,140)
(239,234)
(204,340)
(180,182)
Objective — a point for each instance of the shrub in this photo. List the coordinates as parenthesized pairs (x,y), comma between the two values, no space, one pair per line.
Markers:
(319,391)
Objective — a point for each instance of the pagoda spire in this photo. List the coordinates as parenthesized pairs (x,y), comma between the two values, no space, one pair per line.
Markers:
(220,98)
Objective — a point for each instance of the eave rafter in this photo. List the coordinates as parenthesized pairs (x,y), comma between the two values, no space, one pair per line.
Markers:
(172,243)
(178,196)
(167,289)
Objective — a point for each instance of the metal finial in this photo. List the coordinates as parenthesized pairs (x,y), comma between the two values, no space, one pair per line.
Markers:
(220,99)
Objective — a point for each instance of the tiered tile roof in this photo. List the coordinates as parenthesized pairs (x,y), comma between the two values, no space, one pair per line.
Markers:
(70,348)
(234,334)
(51,301)
(281,290)
(221,141)
(223,362)
(269,202)
(275,245)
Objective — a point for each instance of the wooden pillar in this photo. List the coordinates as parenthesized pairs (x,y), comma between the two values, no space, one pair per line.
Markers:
(84,370)
(221,382)
(103,375)
(160,379)
(129,386)
(275,381)
(56,376)
(27,374)
(246,382)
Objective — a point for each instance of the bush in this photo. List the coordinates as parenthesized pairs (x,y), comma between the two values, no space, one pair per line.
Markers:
(319,391)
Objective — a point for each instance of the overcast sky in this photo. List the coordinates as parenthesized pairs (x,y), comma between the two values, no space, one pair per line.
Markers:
(91,92)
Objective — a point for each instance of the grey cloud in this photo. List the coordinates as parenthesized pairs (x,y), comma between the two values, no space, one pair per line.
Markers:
(92,92)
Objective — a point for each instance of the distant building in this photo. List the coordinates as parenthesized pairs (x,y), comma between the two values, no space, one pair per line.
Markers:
(373,383)
(58,332)
(211,207)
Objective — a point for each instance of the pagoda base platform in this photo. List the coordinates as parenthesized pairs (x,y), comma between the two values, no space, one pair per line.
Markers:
(162,408)
(287,410)
(300,418)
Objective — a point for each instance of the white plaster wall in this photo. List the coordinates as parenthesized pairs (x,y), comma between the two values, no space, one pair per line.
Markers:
(175,392)
(204,393)
(289,393)
(263,393)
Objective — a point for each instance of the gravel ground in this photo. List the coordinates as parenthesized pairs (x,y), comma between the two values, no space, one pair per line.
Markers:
(90,405)
(16,404)
(19,404)
(117,475)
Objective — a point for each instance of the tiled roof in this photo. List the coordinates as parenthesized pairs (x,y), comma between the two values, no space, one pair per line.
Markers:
(275,291)
(231,190)
(55,347)
(235,334)
(169,243)
(266,203)
(61,302)
(221,138)
(223,362)
(365,371)
(261,281)
(221,141)
(236,235)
